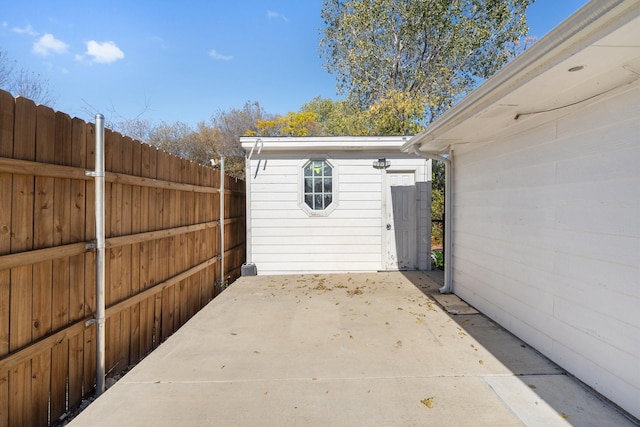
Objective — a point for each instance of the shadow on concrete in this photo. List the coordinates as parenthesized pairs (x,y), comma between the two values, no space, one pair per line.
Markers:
(544,379)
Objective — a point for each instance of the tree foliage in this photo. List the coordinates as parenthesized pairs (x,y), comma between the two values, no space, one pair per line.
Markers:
(303,123)
(397,113)
(21,82)
(433,49)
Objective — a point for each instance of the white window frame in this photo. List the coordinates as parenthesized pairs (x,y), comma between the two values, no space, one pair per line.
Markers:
(334,186)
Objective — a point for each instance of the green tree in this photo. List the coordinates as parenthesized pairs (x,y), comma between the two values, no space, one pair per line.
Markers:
(437,50)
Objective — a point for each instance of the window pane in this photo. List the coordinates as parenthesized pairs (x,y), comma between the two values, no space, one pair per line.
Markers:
(318,202)
(308,170)
(327,185)
(317,185)
(327,199)
(308,199)
(308,185)
(317,168)
(327,169)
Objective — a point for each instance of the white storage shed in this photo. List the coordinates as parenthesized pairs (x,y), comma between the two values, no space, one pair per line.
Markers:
(336,204)
(545,197)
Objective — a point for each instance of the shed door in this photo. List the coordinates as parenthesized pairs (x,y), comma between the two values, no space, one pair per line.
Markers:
(400,215)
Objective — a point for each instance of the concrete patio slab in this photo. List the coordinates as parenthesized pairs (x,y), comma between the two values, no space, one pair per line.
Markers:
(343,350)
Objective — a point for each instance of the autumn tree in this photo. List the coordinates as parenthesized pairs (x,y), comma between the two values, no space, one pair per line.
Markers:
(302,123)
(397,113)
(436,50)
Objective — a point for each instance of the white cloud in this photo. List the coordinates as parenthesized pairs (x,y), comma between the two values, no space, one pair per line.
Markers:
(26,30)
(275,15)
(104,52)
(218,56)
(48,44)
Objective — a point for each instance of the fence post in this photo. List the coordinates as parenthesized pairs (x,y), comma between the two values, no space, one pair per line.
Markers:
(222,182)
(100,256)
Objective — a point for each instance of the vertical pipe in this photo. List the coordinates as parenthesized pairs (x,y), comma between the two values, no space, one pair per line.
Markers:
(222,271)
(448,228)
(448,217)
(100,252)
(247,175)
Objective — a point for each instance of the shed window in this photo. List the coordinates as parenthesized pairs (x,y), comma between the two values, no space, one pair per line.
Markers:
(318,184)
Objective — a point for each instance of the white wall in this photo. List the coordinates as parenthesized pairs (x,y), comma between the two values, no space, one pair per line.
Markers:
(547,240)
(285,240)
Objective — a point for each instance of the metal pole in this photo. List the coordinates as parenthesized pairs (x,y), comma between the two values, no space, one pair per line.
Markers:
(222,272)
(100,254)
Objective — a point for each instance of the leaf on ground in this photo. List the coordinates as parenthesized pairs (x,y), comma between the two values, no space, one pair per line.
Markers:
(481,362)
(428,402)
(563,415)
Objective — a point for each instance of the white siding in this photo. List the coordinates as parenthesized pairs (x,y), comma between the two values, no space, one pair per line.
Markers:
(547,240)
(285,239)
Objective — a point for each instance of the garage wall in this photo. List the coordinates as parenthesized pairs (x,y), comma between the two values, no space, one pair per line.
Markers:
(547,240)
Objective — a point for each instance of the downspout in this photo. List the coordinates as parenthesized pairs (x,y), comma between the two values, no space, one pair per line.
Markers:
(247,177)
(448,208)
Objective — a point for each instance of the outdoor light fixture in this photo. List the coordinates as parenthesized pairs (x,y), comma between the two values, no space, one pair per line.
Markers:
(381,164)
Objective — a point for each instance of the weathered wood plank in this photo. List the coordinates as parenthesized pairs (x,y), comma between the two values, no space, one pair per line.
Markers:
(155,221)
(88,376)
(75,344)
(126,153)
(33,168)
(4,398)
(6,184)
(44,232)
(59,375)
(40,387)
(76,370)
(20,397)
(22,277)
(7,107)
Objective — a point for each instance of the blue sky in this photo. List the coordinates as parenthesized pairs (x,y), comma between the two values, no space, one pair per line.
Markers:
(184,60)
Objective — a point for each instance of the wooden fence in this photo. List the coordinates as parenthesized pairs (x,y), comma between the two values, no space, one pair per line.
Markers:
(162,254)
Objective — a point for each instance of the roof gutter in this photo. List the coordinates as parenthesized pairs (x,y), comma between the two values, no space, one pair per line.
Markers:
(592,22)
